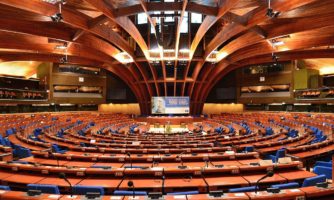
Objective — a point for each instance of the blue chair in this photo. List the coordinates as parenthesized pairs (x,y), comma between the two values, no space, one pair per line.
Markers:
(249,149)
(242,189)
(4,187)
(286,185)
(314,180)
(57,149)
(320,170)
(83,190)
(50,189)
(323,164)
(279,154)
(128,193)
(184,193)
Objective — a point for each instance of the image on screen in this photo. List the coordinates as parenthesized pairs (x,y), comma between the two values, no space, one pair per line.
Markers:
(170,105)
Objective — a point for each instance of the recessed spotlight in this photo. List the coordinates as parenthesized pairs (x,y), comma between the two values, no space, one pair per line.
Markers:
(58,17)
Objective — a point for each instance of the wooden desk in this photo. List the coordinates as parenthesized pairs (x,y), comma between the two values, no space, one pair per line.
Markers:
(289,194)
(58,181)
(319,193)
(172,184)
(296,175)
(216,183)
(106,183)
(80,197)
(23,178)
(252,179)
(226,196)
(143,184)
(17,195)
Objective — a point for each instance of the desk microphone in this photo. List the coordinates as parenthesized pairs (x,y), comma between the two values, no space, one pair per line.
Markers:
(131,185)
(53,156)
(269,174)
(129,155)
(163,184)
(181,161)
(63,176)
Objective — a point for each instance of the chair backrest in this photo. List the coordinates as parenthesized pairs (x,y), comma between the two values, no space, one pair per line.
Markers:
(249,149)
(82,190)
(4,187)
(50,189)
(286,185)
(280,153)
(242,189)
(321,170)
(314,180)
(128,192)
(184,193)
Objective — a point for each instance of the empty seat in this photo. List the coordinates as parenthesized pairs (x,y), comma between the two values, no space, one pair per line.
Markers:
(127,193)
(321,170)
(286,185)
(83,190)
(50,189)
(242,189)
(314,180)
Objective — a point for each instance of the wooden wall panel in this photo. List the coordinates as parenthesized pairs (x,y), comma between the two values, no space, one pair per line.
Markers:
(217,108)
(130,108)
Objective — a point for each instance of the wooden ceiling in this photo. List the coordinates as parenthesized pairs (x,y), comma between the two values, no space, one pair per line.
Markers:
(98,30)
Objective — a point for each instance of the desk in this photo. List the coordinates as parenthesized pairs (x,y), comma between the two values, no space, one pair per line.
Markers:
(185,184)
(108,184)
(319,193)
(297,175)
(216,183)
(58,181)
(226,196)
(252,179)
(289,194)
(23,178)
(17,195)
(143,184)
(78,197)
(172,120)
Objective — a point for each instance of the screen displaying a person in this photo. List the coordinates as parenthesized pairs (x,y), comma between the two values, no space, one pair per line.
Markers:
(158,105)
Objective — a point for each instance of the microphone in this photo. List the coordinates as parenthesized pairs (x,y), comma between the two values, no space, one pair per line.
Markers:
(63,176)
(131,185)
(53,156)
(269,174)
(181,161)
(163,184)
(129,155)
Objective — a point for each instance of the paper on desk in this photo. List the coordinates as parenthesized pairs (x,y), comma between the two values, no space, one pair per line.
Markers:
(179,196)
(294,190)
(53,196)
(116,197)
(239,194)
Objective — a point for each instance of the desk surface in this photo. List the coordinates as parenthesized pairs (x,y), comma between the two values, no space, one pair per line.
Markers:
(107,183)
(289,194)
(227,181)
(296,175)
(252,179)
(142,183)
(59,182)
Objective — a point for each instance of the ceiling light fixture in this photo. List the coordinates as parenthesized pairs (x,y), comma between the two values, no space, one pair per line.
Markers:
(58,17)
(271,12)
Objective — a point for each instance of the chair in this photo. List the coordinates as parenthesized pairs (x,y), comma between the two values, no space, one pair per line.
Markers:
(4,187)
(323,164)
(128,193)
(83,190)
(57,149)
(50,189)
(184,193)
(320,170)
(279,154)
(249,149)
(314,180)
(286,185)
(242,189)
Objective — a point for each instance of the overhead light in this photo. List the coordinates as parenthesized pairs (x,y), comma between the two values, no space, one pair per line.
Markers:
(271,12)
(277,43)
(61,47)
(63,60)
(124,57)
(55,1)
(58,17)
(184,50)
(221,55)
